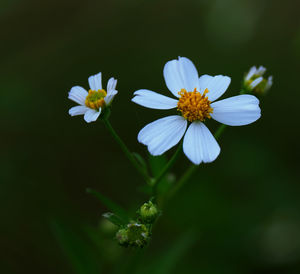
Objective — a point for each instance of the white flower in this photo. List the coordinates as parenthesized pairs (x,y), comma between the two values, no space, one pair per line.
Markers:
(194,97)
(254,80)
(93,101)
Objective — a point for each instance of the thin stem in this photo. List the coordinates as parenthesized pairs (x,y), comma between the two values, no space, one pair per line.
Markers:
(191,170)
(124,148)
(220,131)
(166,168)
(182,180)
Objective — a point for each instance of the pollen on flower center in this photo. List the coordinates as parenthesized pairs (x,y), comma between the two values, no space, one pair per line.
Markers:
(95,99)
(194,106)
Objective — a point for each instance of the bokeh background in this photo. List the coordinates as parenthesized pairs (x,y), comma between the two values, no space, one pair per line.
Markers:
(239,215)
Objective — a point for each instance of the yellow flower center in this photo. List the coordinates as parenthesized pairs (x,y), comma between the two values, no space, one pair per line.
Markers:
(95,99)
(194,106)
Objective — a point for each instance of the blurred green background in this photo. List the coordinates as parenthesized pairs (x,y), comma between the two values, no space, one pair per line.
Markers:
(239,215)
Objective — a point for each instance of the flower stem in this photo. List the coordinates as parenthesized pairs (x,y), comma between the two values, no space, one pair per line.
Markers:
(219,131)
(166,168)
(191,170)
(124,148)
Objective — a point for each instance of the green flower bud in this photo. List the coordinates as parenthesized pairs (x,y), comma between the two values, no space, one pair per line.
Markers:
(122,237)
(148,212)
(255,82)
(138,234)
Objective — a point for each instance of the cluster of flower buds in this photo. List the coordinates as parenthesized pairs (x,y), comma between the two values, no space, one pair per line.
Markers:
(138,233)
(255,82)
(134,234)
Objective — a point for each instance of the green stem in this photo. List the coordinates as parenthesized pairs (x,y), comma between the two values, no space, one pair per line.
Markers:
(191,170)
(166,168)
(124,148)
(220,131)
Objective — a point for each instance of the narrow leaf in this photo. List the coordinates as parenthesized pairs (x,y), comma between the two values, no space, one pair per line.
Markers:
(80,252)
(115,208)
(116,220)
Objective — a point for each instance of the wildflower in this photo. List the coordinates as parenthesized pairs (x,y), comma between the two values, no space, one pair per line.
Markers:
(92,102)
(195,103)
(255,82)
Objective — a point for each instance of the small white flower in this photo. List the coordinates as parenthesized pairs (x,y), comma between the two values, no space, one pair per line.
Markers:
(93,101)
(254,80)
(194,102)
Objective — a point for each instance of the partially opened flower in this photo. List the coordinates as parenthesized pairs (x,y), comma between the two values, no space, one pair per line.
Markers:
(92,102)
(195,103)
(255,82)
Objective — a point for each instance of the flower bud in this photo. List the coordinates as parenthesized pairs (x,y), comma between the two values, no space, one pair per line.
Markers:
(122,237)
(138,234)
(148,212)
(134,234)
(255,82)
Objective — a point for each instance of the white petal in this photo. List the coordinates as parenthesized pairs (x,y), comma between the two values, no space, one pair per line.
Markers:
(162,134)
(91,115)
(78,110)
(78,95)
(199,145)
(181,74)
(237,110)
(108,98)
(269,83)
(256,82)
(251,72)
(95,82)
(111,85)
(216,85)
(151,99)
(261,70)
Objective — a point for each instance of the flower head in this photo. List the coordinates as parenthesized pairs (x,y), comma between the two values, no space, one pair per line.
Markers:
(255,82)
(92,102)
(195,102)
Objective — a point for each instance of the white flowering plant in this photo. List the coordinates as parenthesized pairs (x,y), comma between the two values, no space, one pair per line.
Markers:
(195,99)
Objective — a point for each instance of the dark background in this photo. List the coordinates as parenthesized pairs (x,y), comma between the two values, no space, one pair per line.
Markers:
(239,214)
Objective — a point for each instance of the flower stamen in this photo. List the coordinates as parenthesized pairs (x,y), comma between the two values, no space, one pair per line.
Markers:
(194,106)
(95,99)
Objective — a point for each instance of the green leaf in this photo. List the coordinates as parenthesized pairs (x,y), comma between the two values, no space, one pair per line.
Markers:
(115,208)
(81,253)
(116,220)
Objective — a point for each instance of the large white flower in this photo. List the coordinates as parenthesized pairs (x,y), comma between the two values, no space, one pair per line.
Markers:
(195,102)
(93,101)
